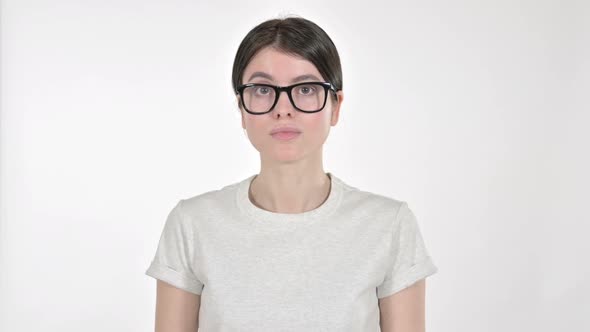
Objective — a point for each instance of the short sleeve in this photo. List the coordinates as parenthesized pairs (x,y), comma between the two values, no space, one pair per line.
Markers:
(410,260)
(174,258)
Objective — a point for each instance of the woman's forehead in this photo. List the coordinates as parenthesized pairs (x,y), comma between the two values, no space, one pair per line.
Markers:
(275,66)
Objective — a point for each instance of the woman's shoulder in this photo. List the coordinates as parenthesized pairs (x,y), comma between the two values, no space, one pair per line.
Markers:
(210,199)
(369,202)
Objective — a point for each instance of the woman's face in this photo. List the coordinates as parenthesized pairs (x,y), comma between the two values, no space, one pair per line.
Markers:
(314,127)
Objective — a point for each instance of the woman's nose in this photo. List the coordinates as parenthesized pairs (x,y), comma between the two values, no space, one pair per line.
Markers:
(284,106)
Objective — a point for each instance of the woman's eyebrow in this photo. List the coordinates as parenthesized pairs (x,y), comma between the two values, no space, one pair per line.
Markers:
(304,78)
(296,79)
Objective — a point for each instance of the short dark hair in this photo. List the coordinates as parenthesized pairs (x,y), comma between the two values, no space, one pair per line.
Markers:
(292,35)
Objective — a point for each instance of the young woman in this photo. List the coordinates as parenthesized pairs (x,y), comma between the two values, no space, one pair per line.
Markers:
(292,248)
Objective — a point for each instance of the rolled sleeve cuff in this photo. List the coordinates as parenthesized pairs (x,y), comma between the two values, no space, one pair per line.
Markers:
(407,278)
(174,278)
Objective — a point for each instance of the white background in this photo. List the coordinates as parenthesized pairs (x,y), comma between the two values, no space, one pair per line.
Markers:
(474,112)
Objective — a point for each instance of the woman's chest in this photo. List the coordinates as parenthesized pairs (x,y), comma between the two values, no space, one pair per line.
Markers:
(293,277)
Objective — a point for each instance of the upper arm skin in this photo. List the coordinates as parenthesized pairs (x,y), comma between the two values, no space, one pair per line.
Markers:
(176,310)
(404,311)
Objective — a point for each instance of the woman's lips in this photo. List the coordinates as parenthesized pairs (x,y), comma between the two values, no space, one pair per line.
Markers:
(285,135)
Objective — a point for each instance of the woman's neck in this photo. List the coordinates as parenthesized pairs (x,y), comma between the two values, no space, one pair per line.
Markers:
(295,193)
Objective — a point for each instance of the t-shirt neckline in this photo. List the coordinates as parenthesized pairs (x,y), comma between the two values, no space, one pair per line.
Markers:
(328,206)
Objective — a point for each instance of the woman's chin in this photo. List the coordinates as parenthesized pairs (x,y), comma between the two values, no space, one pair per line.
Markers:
(286,156)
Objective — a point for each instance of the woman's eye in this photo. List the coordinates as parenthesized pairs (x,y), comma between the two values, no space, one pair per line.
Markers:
(263,90)
(306,90)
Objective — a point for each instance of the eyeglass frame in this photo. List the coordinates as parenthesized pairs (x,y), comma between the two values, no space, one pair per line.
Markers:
(278,89)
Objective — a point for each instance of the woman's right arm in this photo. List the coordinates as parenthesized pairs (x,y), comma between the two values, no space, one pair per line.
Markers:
(176,310)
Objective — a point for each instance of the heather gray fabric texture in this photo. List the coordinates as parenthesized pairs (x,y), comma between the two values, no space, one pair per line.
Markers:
(320,270)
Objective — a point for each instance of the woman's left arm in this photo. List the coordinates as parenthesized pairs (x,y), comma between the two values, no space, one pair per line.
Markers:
(404,311)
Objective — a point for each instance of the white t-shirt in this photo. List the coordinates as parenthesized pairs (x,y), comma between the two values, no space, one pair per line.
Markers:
(320,270)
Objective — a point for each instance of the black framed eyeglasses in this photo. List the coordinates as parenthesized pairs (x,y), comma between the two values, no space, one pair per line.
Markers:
(307,97)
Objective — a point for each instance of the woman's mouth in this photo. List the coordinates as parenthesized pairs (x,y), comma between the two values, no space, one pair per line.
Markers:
(285,135)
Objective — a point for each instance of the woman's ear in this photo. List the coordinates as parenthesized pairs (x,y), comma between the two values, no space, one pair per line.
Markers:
(336,108)
(238,101)
(241,113)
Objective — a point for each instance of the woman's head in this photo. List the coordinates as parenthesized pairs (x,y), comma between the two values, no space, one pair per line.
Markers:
(283,52)
(295,36)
